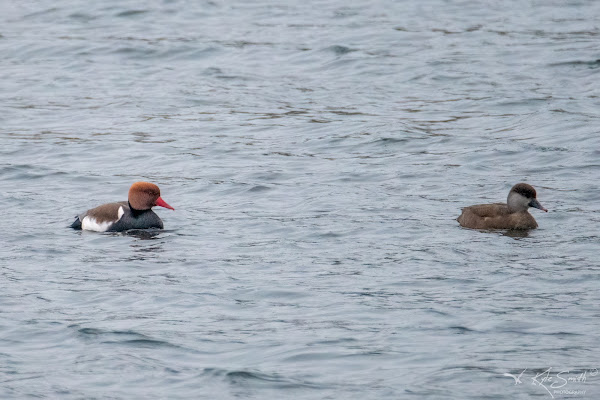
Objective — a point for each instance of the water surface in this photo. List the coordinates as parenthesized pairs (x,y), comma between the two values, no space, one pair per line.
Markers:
(317,155)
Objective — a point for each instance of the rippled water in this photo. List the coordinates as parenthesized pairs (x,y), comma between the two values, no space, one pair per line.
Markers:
(317,155)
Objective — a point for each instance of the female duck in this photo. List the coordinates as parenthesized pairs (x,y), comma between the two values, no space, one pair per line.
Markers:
(512,215)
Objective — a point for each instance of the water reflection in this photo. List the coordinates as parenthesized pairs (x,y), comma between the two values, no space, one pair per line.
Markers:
(142,234)
(516,233)
(147,244)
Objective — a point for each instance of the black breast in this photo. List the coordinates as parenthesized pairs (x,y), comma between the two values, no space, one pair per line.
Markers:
(136,219)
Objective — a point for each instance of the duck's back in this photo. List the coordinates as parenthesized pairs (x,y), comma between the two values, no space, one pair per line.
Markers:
(495,216)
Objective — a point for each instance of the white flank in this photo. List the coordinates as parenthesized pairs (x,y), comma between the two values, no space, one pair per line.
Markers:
(120,213)
(90,224)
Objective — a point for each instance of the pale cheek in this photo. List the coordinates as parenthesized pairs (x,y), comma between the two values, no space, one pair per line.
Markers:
(90,224)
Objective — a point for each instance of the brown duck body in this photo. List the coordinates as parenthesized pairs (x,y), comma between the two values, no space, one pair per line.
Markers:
(495,216)
(513,214)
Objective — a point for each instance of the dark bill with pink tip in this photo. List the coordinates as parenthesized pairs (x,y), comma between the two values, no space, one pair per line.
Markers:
(536,204)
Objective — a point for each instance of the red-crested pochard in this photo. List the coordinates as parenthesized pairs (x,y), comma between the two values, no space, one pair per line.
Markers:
(512,215)
(136,213)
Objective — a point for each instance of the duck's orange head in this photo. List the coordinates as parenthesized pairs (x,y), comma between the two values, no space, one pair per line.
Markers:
(145,195)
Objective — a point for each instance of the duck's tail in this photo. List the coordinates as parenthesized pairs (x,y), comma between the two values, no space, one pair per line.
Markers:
(76,224)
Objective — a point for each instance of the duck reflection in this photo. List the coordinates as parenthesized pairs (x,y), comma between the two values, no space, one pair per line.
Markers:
(516,233)
(143,234)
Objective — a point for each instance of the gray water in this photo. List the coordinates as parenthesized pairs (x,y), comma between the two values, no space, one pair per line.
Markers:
(317,155)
